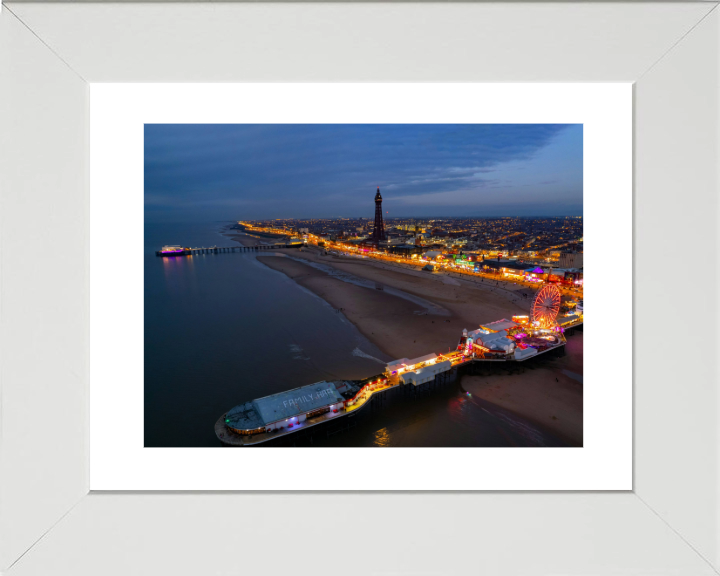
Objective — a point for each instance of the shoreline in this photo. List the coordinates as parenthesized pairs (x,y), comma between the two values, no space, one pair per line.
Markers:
(402,327)
(241,237)
(404,271)
(440,287)
(547,393)
(384,319)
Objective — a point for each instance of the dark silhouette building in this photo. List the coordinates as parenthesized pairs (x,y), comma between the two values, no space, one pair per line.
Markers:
(378,234)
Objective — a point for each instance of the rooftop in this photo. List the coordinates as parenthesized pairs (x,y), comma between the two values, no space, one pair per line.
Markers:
(499,325)
(283,405)
(297,401)
(244,417)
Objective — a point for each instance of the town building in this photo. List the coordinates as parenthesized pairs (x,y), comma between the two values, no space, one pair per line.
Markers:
(405,250)
(571,260)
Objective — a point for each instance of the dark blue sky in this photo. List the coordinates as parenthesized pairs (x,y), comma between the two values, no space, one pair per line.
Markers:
(240,171)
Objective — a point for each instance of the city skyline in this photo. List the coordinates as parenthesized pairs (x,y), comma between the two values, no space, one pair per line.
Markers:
(223,172)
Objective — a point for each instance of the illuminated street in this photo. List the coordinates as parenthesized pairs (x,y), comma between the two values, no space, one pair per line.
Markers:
(446,266)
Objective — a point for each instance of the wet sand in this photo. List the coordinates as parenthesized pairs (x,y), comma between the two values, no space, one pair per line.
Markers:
(399,327)
(470,298)
(546,392)
(388,321)
(243,239)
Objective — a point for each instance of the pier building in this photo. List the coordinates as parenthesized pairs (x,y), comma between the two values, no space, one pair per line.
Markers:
(418,370)
(285,410)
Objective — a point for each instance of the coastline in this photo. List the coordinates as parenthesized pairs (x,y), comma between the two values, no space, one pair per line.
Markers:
(548,393)
(242,238)
(398,327)
(402,327)
(455,291)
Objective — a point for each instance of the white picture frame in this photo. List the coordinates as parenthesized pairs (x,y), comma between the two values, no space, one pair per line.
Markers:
(119,114)
(49,523)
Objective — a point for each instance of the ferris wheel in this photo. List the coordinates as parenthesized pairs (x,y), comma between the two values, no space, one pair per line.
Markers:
(546,305)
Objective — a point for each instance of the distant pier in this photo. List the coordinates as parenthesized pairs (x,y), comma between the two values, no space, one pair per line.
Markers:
(226,249)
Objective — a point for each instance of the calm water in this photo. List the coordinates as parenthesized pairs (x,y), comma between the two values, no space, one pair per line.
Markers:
(221,329)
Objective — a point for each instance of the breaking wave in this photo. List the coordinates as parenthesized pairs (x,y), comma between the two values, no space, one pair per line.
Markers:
(361,354)
(298,353)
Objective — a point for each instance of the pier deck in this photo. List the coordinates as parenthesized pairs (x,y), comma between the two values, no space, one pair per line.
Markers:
(228,249)
(230,438)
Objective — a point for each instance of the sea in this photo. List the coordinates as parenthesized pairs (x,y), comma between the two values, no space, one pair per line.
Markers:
(223,329)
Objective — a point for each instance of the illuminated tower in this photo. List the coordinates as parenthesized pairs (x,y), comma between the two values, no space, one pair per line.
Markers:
(378,234)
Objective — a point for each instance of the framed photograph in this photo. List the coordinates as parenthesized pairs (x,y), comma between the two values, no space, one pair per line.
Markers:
(207,209)
(312,381)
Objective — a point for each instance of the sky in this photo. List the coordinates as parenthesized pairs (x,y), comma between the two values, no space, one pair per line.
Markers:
(205,172)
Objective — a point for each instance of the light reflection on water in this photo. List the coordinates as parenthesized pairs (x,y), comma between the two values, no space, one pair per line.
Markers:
(382,437)
(221,329)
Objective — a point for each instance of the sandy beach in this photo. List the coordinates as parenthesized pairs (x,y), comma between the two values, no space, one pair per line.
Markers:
(418,312)
(244,239)
(400,327)
(549,393)
(470,298)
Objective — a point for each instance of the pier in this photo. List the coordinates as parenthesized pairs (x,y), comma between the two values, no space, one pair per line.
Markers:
(370,393)
(408,379)
(226,249)
(509,341)
(307,407)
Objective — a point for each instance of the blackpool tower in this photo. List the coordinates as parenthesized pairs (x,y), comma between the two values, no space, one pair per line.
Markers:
(378,234)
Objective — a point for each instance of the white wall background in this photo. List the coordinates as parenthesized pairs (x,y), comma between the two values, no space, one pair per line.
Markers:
(42,147)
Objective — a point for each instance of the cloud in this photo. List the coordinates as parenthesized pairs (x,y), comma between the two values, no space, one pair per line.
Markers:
(254,171)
